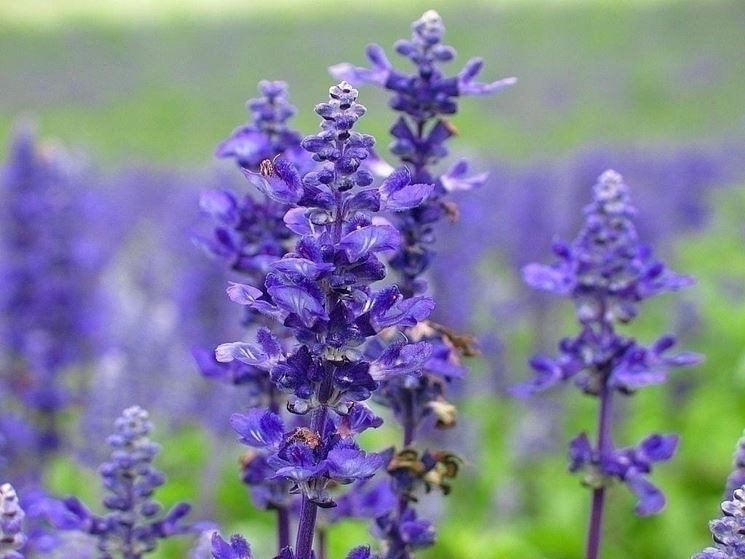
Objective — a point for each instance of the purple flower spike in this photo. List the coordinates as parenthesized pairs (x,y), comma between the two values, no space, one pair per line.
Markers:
(333,350)
(268,135)
(608,272)
(131,524)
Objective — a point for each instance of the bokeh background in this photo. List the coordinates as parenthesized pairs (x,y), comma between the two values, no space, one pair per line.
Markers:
(140,92)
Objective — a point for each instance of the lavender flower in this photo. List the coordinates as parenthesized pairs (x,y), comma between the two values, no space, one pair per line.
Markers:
(322,291)
(420,134)
(424,98)
(250,235)
(49,265)
(607,272)
(267,135)
(12,538)
(728,531)
(133,526)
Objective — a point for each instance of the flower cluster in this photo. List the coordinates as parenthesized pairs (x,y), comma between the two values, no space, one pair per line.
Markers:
(628,465)
(267,135)
(50,315)
(728,531)
(12,538)
(607,272)
(249,233)
(322,291)
(425,98)
(134,524)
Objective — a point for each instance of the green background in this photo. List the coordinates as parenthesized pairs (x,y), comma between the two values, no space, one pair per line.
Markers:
(163,82)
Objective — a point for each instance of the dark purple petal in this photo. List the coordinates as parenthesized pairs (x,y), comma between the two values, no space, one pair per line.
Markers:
(372,238)
(398,194)
(297,222)
(389,309)
(258,428)
(400,359)
(358,419)
(658,448)
(347,463)
(298,300)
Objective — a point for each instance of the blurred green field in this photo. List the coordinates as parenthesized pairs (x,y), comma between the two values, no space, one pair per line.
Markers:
(167,89)
(164,85)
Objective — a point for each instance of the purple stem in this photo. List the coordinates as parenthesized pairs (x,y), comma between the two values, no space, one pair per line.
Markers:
(283,528)
(308,509)
(306,529)
(605,445)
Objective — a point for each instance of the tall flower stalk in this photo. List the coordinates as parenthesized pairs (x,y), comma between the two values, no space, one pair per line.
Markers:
(47,295)
(608,272)
(249,234)
(323,292)
(425,99)
(134,523)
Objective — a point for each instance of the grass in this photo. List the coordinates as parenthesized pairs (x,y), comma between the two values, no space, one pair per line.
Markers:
(168,89)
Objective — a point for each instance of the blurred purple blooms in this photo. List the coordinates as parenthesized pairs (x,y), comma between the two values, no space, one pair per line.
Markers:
(51,308)
(607,272)
(134,522)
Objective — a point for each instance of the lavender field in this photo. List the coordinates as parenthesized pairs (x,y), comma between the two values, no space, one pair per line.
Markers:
(476,290)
